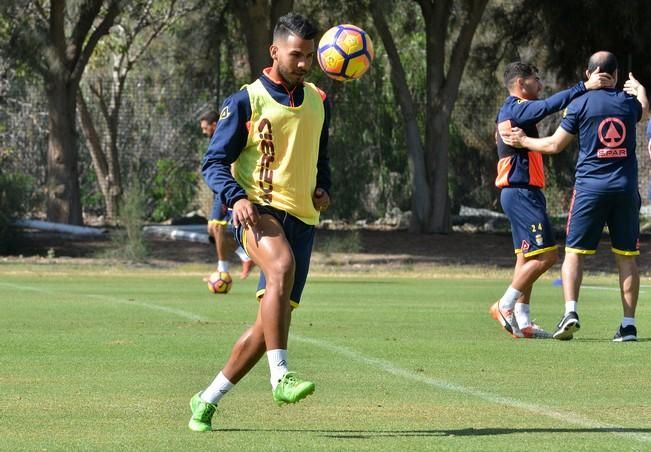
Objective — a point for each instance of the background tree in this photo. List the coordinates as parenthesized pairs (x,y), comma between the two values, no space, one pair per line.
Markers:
(257,19)
(380,124)
(447,23)
(140,23)
(571,33)
(56,39)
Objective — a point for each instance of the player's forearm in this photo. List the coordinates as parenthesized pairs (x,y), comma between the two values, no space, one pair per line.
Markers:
(542,145)
(560,100)
(534,111)
(643,100)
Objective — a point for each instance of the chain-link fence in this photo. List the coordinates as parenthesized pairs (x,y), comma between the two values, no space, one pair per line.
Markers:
(159,122)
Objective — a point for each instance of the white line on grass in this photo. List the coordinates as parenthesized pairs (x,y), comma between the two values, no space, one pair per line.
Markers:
(179,312)
(389,367)
(614,289)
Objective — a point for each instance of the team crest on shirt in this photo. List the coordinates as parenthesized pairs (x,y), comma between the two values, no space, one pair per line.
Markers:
(525,246)
(225,113)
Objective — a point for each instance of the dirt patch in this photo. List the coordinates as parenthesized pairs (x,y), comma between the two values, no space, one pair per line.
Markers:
(369,248)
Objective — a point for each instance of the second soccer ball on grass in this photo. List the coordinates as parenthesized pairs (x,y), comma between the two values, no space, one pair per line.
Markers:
(220,282)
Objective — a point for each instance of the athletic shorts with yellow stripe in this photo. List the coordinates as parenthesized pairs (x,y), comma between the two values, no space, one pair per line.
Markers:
(526,209)
(300,237)
(590,212)
(220,213)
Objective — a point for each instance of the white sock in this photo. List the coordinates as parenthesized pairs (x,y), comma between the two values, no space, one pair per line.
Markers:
(509,298)
(521,312)
(242,254)
(570,306)
(277,365)
(222,266)
(217,389)
(626,321)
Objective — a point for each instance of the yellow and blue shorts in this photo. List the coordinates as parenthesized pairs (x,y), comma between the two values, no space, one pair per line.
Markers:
(220,213)
(590,212)
(300,237)
(526,209)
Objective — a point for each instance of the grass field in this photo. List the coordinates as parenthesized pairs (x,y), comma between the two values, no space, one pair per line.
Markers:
(102,359)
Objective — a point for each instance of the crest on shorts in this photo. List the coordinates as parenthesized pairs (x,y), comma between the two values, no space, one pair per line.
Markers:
(539,239)
(525,246)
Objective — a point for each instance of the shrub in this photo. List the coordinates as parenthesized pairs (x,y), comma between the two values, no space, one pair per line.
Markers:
(16,191)
(128,240)
(172,190)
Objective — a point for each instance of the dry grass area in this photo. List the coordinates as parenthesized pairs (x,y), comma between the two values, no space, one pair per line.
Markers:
(336,252)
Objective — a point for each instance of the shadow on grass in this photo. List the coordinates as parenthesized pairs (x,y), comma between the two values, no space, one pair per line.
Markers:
(367,434)
(601,339)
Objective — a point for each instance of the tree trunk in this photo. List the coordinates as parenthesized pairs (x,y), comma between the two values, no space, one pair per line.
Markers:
(442,92)
(114,182)
(63,198)
(420,199)
(108,176)
(257,19)
(57,42)
(437,140)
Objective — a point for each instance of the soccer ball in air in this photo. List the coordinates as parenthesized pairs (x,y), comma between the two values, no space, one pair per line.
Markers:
(345,52)
(220,282)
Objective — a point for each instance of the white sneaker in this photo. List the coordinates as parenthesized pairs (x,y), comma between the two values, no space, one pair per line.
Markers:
(533,331)
(506,318)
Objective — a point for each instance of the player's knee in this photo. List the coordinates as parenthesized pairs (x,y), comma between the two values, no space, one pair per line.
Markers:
(281,268)
(628,263)
(550,258)
(546,260)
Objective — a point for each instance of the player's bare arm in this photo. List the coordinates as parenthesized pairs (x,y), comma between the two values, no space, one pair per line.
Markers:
(547,145)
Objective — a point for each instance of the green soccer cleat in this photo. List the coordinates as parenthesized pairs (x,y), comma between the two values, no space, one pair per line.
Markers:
(291,389)
(201,414)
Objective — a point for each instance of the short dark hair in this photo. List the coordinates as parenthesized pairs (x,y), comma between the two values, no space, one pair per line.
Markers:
(209,116)
(296,24)
(518,69)
(604,60)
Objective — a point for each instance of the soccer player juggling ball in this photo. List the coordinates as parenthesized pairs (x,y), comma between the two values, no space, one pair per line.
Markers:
(605,189)
(275,131)
(520,175)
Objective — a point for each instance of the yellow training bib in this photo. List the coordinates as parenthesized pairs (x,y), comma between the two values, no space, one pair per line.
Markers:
(277,167)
